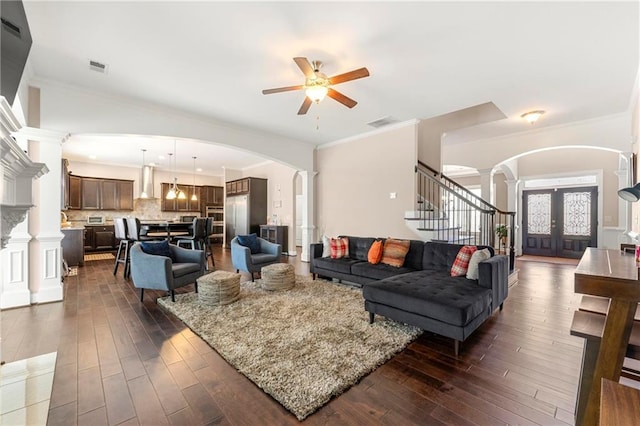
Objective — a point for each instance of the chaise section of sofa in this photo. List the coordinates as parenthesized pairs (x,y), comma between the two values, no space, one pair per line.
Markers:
(422,292)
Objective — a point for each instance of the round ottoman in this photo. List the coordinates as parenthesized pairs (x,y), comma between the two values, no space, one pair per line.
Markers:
(278,276)
(219,288)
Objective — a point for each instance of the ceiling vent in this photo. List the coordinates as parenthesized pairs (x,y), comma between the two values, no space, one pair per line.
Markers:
(98,66)
(384,121)
(11,28)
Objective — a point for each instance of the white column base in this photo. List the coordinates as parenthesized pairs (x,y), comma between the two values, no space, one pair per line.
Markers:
(46,282)
(307,239)
(14,281)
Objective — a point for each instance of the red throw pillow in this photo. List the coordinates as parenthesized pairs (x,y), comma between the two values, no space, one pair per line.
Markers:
(375,252)
(339,248)
(461,264)
(394,252)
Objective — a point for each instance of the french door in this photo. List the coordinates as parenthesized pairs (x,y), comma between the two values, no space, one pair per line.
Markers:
(559,222)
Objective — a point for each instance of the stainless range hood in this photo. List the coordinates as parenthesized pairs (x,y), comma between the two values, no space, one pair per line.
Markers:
(146,182)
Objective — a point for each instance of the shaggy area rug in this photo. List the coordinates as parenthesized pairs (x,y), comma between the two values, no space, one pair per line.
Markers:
(302,346)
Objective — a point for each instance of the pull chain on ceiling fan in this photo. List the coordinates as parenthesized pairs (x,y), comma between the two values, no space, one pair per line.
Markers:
(317,85)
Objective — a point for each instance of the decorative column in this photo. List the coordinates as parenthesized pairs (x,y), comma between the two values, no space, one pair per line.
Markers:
(308,213)
(486,185)
(512,206)
(45,266)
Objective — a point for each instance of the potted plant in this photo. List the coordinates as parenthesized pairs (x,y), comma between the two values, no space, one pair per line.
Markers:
(502,232)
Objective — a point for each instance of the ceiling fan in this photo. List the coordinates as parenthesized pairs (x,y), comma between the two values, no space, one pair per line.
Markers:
(317,85)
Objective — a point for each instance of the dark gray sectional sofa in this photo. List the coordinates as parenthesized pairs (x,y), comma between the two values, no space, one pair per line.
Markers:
(421,292)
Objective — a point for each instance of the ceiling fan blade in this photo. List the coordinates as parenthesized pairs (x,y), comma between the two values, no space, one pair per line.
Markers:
(282,89)
(305,67)
(348,76)
(344,100)
(305,106)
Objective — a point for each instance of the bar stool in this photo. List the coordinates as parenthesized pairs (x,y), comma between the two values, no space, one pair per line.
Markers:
(133,231)
(122,256)
(198,234)
(208,252)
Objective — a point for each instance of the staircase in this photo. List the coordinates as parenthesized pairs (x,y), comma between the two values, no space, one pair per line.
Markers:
(446,211)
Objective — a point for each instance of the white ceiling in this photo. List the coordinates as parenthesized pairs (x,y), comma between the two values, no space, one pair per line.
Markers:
(576,60)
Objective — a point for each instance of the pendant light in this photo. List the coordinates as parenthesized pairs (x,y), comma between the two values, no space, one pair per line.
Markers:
(174,192)
(171,195)
(143,193)
(194,197)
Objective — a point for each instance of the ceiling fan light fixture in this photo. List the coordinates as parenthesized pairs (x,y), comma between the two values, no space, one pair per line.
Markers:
(316,90)
(532,116)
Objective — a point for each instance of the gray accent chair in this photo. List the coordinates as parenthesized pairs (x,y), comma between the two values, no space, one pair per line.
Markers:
(161,273)
(243,260)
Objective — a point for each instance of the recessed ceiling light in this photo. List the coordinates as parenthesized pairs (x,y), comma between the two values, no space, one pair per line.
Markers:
(93,157)
(160,157)
(198,169)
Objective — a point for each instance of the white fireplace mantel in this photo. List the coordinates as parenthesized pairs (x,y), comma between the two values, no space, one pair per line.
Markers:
(17,173)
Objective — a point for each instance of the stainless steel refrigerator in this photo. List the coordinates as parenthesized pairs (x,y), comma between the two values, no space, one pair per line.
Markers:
(236,216)
(244,213)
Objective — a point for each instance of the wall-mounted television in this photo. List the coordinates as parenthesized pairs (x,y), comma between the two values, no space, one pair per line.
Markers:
(15,43)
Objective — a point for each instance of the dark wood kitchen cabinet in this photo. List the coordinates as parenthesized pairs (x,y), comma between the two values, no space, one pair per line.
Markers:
(106,194)
(125,195)
(211,196)
(99,237)
(91,193)
(75,193)
(181,205)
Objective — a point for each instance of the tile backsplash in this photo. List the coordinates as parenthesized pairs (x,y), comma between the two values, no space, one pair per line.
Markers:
(144,209)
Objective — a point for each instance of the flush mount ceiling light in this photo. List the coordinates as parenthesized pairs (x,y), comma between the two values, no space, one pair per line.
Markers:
(532,116)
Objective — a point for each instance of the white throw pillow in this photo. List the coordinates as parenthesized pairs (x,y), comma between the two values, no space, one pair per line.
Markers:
(326,246)
(477,257)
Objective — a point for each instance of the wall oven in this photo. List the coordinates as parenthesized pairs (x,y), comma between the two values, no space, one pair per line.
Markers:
(217,214)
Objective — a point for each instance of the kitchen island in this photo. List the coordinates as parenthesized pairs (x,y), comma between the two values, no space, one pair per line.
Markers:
(164,229)
(72,244)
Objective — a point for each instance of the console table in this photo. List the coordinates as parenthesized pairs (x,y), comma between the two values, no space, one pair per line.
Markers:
(277,235)
(612,274)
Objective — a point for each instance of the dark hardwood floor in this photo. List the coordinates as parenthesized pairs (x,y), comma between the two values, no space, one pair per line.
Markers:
(125,362)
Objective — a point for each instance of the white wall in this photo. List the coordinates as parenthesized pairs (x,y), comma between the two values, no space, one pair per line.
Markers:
(355,179)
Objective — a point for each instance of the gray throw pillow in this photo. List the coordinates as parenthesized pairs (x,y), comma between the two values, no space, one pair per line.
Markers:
(477,257)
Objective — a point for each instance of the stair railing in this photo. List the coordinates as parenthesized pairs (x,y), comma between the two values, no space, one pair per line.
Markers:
(456,215)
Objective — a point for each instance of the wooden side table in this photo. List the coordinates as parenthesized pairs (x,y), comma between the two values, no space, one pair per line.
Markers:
(620,405)
(612,274)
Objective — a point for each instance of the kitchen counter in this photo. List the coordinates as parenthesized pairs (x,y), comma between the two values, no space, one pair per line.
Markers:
(64,227)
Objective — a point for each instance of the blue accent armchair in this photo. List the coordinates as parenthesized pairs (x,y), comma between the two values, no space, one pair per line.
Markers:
(161,273)
(243,260)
